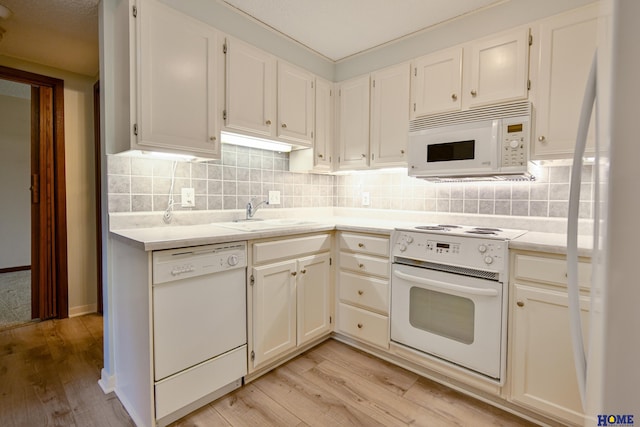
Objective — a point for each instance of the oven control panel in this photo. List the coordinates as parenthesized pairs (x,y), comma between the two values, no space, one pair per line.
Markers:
(471,252)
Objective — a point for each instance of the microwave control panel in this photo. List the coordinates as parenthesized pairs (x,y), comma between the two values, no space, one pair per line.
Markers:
(515,142)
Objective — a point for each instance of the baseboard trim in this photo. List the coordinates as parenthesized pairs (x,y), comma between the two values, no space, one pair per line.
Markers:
(12,269)
(83,309)
(107,382)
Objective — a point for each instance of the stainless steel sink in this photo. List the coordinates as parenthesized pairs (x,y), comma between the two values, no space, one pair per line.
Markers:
(266,224)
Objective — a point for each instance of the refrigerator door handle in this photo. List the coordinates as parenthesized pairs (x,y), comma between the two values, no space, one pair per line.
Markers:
(572,231)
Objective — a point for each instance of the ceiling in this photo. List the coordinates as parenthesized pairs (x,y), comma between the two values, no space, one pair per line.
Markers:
(64,33)
(58,33)
(338,29)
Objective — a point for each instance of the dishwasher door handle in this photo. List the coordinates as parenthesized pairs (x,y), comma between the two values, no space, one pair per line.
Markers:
(446,286)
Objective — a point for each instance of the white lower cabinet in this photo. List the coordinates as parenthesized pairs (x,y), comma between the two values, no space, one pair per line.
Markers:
(542,370)
(289,296)
(364,292)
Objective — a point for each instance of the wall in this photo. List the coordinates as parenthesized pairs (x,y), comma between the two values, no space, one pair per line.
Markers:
(139,185)
(547,196)
(79,148)
(15,172)
(142,185)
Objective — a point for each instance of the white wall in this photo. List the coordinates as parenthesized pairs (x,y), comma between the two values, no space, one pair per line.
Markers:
(15,167)
(79,148)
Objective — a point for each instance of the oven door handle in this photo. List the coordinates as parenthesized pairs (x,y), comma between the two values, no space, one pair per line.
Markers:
(446,286)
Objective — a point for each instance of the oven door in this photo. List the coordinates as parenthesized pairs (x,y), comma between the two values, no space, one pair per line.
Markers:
(456,318)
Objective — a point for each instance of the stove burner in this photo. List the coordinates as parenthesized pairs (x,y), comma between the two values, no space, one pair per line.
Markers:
(448,226)
(483,232)
(486,229)
(431,228)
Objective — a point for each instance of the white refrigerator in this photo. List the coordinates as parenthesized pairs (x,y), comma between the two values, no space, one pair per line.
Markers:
(608,359)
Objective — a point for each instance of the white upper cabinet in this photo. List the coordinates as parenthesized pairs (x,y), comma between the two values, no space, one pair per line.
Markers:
(251,89)
(498,69)
(324,120)
(353,134)
(567,45)
(389,116)
(167,81)
(436,83)
(487,71)
(295,104)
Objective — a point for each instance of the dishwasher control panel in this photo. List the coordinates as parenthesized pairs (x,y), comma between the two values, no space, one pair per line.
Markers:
(177,264)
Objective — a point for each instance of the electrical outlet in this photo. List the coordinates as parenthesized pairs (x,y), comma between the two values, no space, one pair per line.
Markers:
(274,197)
(366,200)
(188,198)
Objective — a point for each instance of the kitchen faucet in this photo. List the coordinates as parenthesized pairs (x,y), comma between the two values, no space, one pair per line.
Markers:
(252,209)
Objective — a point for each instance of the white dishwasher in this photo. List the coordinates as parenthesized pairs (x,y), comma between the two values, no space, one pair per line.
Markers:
(199,326)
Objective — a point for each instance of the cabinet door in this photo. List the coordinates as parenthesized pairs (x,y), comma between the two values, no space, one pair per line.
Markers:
(567,45)
(436,83)
(543,374)
(295,104)
(274,311)
(313,294)
(390,116)
(498,69)
(353,138)
(177,81)
(323,138)
(250,84)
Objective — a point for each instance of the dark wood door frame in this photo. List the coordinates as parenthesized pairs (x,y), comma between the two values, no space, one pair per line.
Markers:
(49,227)
(98,175)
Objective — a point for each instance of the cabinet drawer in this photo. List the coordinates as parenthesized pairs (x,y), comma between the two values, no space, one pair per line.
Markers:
(188,386)
(290,248)
(364,325)
(366,292)
(364,244)
(549,270)
(365,264)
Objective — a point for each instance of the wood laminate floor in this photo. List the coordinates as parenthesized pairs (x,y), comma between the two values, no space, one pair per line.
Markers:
(49,373)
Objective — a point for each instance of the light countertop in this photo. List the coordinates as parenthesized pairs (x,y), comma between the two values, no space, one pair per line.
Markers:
(171,237)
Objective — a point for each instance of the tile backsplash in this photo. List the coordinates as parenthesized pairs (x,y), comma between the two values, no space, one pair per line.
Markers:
(143,185)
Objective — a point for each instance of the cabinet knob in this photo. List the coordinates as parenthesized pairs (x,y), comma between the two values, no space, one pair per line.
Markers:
(364,155)
(520,304)
(361,245)
(212,138)
(473,92)
(284,126)
(360,292)
(294,273)
(303,271)
(361,265)
(454,97)
(401,151)
(359,325)
(321,156)
(542,138)
(268,122)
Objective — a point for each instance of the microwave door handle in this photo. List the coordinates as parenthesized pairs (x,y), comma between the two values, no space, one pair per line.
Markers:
(446,286)
(495,139)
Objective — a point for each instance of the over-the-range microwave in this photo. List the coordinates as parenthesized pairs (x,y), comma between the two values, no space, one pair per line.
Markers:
(486,143)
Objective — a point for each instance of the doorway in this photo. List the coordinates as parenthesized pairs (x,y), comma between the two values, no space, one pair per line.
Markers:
(46,182)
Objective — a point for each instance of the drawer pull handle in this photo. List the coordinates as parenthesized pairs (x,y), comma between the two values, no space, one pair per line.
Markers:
(294,273)
(359,325)
(520,304)
(360,292)
(361,245)
(361,265)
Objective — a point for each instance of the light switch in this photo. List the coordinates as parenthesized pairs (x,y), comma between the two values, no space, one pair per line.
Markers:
(188,198)
(366,200)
